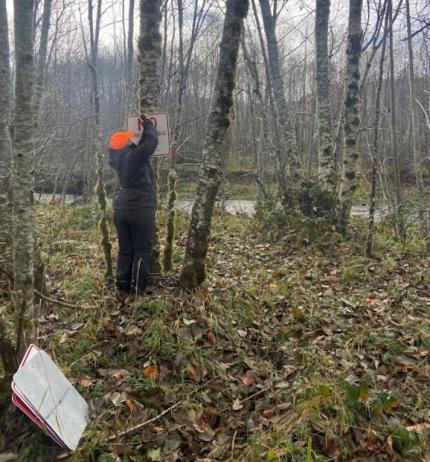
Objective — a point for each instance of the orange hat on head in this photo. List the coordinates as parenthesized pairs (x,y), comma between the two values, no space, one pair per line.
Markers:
(119,140)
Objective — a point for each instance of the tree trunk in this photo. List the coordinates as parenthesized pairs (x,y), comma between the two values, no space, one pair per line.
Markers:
(417,157)
(325,152)
(351,116)
(375,145)
(43,51)
(5,147)
(100,188)
(22,145)
(7,351)
(130,51)
(194,271)
(394,139)
(260,136)
(39,265)
(289,165)
(148,89)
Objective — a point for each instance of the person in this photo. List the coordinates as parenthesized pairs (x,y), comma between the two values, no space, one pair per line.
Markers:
(134,207)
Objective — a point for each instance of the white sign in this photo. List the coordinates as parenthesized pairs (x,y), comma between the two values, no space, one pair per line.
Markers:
(44,394)
(161,123)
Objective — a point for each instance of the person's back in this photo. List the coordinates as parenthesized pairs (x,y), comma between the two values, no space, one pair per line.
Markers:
(134,206)
(136,179)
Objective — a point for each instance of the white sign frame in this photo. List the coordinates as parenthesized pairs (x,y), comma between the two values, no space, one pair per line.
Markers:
(134,123)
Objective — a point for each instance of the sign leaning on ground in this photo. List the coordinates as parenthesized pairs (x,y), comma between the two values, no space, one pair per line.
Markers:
(161,123)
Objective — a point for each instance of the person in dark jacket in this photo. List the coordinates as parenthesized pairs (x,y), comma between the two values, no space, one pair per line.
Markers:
(134,206)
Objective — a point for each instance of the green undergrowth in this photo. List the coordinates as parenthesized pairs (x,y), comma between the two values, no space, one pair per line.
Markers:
(297,348)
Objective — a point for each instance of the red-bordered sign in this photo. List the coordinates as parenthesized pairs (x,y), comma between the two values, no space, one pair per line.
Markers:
(161,123)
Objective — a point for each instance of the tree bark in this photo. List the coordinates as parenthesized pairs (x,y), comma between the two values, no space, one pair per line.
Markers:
(100,188)
(289,168)
(417,157)
(23,150)
(43,51)
(130,52)
(375,144)
(351,116)
(5,146)
(149,45)
(194,271)
(394,138)
(325,154)
(260,135)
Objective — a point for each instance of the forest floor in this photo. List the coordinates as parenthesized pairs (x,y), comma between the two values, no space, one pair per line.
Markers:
(297,348)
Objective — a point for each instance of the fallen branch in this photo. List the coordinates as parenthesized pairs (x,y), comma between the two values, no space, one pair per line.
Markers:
(55,301)
(42,296)
(136,428)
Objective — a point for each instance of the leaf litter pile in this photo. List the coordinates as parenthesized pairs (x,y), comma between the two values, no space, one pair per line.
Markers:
(297,349)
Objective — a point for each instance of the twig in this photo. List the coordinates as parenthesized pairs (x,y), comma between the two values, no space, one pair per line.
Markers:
(40,295)
(136,428)
(258,393)
(55,301)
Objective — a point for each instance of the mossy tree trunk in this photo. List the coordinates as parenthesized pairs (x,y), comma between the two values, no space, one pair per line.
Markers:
(214,154)
(22,151)
(131,100)
(325,147)
(288,162)
(149,46)
(351,122)
(7,353)
(94,26)
(5,147)
(172,176)
(171,214)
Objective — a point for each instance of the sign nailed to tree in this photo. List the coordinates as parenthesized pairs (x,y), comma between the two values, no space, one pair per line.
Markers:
(161,123)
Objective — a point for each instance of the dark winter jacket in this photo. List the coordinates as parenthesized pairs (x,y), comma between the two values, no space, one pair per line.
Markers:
(136,178)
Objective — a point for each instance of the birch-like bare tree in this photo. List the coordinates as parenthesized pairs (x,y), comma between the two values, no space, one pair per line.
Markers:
(286,151)
(325,152)
(376,142)
(7,353)
(351,116)
(398,188)
(5,147)
(22,155)
(418,164)
(148,90)
(92,59)
(214,153)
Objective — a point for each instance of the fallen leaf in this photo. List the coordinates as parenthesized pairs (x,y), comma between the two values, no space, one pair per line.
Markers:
(191,371)
(211,338)
(237,405)
(268,413)
(131,405)
(248,378)
(151,371)
(85,382)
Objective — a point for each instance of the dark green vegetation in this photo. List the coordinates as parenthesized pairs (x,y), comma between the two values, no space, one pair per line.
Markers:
(298,348)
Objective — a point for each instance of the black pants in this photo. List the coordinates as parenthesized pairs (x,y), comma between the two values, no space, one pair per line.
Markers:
(135,229)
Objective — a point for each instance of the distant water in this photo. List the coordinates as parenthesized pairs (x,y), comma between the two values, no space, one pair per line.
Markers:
(234,206)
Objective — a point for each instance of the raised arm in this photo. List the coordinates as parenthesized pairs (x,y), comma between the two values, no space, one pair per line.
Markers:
(148,142)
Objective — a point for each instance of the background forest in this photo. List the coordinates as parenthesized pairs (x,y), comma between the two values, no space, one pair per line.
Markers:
(290,316)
